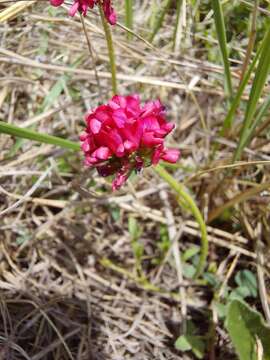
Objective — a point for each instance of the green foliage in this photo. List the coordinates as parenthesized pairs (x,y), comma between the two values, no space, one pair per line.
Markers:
(115,212)
(13,130)
(186,201)
(247,284)
(54,93)
(190,252)
(160,18)
(58,88)
(191,342)
(255,94)
(129,16)
(164,243)
(222,40)
(247,330)
(190,259)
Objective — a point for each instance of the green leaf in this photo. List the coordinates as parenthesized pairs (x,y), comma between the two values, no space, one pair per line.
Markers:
(133,228)
(221,309)
(14,130)
(247,282)
(222,40)
(58,88)
(135,233)
(115,212)
(164,243)
(188,271)
(246,327)
(211,279)
(54,93)
(190,252)
(182,344)
(191,342)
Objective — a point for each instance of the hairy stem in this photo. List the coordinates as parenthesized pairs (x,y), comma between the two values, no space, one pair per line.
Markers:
(110,47)
(91,52)
(184,199)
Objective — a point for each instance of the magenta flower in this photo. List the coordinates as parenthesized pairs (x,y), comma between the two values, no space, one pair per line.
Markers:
(123,136)
(83,5)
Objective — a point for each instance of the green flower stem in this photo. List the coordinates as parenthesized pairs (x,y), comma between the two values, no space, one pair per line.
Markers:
(110,47)
(185,200)
(129,16)
(14,130)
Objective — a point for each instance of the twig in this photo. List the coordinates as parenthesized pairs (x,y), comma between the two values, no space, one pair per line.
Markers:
(91,54)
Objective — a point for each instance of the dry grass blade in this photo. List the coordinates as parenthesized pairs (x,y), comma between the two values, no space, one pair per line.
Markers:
(15,9)
(28,194)
(243,196)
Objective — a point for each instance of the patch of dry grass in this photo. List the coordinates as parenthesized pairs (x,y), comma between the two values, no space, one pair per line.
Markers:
(69,288)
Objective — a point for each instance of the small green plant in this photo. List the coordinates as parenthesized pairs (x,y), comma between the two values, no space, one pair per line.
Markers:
(248,331)
(191,341)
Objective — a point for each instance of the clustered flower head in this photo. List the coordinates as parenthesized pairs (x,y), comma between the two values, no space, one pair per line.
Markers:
(125,135)
(83,5)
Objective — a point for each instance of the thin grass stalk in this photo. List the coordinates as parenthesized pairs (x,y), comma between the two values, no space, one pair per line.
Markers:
(160,19)
(261,113)
(251,41)
(129,16)
(184,199)
(110,47)
(91,52)
(228,122)
(178,27)
(14,130)
(222,40)
(243,196)
(261,75)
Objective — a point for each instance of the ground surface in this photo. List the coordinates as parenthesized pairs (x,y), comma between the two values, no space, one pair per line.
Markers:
(71,287)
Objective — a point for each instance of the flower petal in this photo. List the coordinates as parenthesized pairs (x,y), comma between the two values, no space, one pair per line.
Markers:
(56,2)
(95,125)
(171,155)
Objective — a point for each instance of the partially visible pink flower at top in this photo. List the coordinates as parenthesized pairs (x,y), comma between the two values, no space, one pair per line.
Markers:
(125,135)
(83,5)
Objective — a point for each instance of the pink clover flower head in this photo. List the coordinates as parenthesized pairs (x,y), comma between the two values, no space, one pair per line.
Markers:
(125,135)
(83,5)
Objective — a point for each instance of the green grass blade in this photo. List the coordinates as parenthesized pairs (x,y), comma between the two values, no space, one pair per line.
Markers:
(261,75)
(237,98)
(177,29)
(222,40)
(262,111)
(129,16)
(165,7)
(261,114)
(13,130)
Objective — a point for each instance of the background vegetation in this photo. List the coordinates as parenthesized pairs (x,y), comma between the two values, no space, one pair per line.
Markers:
(90,274)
